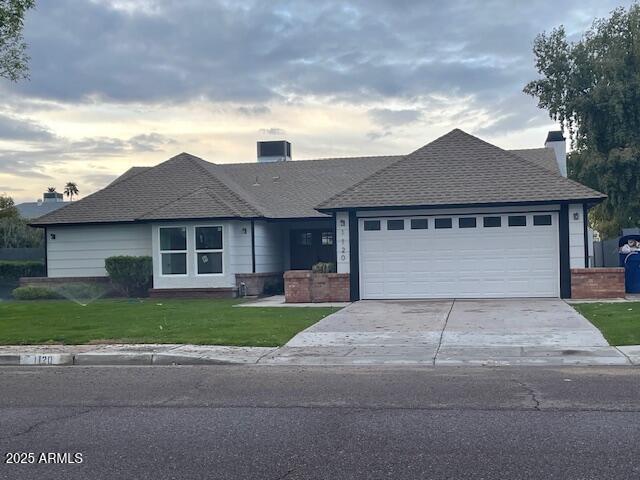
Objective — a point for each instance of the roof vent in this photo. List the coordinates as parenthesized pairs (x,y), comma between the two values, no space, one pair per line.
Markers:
(274,151)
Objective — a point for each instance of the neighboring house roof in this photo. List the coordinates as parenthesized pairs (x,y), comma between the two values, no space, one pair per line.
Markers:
(455,169)
(30,210)
(459,169)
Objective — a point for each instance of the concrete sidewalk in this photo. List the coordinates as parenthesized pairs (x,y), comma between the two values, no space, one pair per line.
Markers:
(130,354)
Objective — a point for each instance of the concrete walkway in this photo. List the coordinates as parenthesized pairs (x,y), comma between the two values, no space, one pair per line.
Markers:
(447,332)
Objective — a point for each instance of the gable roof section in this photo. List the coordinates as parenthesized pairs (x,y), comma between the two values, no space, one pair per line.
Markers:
(459,169)
(169,186)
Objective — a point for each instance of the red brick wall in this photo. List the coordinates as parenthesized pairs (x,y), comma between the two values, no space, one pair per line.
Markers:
(255,282)
(304,286)
(597,283)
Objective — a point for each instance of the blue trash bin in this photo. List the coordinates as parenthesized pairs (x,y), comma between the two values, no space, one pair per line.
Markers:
(623,241)
(632,273)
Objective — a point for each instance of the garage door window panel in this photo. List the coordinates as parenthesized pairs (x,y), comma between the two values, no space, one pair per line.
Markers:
(371,225)
(395,224)
(517,220)
(443,223)
(542,220)
(491,222)
(467,222)
(419,223)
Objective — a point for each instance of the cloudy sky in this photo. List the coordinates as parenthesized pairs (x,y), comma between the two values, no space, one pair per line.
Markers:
(117,83)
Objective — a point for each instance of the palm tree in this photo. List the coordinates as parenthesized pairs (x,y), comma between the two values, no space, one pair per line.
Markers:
(51,189)
(71,189)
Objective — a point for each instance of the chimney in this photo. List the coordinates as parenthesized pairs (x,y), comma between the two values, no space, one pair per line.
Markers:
(556,141)
(274,151)
(48,197)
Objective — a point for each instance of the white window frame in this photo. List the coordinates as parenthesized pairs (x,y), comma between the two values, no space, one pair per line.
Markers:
(186,251)
(196,251)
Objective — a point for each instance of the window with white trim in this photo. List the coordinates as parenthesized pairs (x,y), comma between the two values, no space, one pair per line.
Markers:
(208,247)
(173,250)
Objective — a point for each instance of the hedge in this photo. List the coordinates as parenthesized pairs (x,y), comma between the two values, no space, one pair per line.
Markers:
(31,292)
(12,270)
(131,275)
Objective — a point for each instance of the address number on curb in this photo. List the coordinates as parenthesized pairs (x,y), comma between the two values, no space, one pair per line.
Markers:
(38,359)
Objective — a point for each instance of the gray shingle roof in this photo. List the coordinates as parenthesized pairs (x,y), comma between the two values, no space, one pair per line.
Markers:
(459,169)
(293,189)
(545,157)
(31,210)
(455,169)
(151,191)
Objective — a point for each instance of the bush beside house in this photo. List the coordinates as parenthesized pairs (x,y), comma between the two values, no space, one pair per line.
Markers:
(12,270)
(131,275)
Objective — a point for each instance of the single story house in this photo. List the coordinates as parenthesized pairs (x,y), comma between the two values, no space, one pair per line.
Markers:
(457,218)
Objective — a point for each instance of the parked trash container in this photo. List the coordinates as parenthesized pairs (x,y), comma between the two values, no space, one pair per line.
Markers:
(624,240)
(632,273)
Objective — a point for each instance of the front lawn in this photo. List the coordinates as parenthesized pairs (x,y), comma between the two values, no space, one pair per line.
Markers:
(210,322)
(618,322)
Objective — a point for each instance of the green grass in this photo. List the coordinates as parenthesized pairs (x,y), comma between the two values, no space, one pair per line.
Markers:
(618,322)
(206,322)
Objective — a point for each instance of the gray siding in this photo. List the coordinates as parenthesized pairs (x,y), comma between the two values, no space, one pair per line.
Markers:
(80,251)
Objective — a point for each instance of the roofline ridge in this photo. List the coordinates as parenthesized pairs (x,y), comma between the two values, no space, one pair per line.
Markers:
(538,167)
(378,172)
(225,181)
(190,192)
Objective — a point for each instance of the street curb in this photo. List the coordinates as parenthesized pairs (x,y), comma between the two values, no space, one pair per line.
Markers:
(106,359)
(95,358)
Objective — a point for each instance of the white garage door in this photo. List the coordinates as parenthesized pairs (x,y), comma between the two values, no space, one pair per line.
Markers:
(460,256)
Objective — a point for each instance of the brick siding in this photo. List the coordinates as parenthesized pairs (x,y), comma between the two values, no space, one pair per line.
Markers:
(597,283)
(304,286)
(255,282)
(192,293)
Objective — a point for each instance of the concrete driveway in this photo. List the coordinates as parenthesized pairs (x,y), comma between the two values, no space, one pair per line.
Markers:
(451,332)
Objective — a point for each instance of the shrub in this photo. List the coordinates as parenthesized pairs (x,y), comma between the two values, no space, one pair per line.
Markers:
(12,270)
(324,267)
(131,275)
(34,293)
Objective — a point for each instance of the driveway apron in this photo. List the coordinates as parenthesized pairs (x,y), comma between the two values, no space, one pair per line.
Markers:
(483,332)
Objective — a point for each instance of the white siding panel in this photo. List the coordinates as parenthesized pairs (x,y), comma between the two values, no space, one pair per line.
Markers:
(240,247)
(80,251)
(576,236)
(269,247)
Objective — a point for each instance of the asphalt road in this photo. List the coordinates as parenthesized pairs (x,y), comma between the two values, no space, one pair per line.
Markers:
(270,422)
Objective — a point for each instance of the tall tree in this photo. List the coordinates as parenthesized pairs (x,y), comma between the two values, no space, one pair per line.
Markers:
(13,57)
(51,189)
(71,189)
(592,87)
(7,207)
